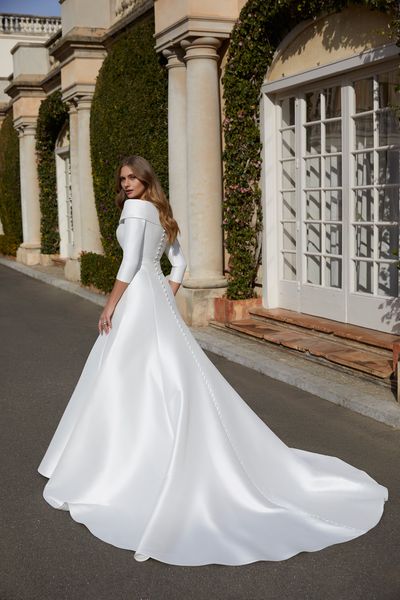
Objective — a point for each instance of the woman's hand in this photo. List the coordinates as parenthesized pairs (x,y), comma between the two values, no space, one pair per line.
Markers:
(105,320)
(116,293)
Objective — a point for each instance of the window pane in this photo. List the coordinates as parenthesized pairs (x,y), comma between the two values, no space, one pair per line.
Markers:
(333,136)
(287,106)
(288,146)
(289,236)
(313,139)
(313,205)
(288,205)
(332,102)
(364,94)
(388,95)
(313,237)
(389,166)
(388,241)
(333,205)
(364,168)
(389,204)
(313,172)
(288,174)
(333,239)
(364,277)
(389,128)
(289,266)
(364,132)
(388,279)
(333,171)
(364,205)
(314,270)
(364,240)
(333,272)
(313,105)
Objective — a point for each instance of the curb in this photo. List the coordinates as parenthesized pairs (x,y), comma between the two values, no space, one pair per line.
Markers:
(364,397)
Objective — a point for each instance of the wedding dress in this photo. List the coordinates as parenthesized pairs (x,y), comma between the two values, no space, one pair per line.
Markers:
(157,453)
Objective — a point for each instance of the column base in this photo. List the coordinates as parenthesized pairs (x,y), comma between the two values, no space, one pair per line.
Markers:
(205,282)
(48,260)
(72,269)
(28,254)
(197,305)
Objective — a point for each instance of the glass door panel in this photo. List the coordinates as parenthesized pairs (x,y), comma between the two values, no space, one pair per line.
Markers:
(287,203)
(322,243)
(375,194)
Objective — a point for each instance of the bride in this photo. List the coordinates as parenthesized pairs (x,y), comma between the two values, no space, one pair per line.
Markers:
(157,453)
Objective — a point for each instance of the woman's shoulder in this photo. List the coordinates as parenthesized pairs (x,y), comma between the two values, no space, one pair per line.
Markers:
(134,207)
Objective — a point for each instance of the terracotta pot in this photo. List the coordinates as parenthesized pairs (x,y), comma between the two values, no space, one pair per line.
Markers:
(234,310)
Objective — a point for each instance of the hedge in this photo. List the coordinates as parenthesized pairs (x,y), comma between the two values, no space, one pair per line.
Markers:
(53,113)
(10,191)
(129,115)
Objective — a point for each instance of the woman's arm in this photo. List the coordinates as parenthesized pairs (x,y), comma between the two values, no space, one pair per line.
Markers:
(178,262)
(134,228)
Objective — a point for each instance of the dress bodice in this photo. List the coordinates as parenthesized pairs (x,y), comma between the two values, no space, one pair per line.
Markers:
(144,240)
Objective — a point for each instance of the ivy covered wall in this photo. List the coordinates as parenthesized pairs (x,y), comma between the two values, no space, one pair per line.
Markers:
(129,115)
(53,113)
(10,190)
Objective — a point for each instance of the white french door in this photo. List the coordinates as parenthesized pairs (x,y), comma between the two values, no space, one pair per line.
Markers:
(338,200)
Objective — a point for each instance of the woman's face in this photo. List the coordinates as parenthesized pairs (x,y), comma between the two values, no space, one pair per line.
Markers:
(131,185)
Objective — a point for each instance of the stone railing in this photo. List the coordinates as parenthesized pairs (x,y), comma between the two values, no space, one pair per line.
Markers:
(29,24)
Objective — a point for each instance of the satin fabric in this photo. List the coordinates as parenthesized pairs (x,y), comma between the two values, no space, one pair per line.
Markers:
(156,452)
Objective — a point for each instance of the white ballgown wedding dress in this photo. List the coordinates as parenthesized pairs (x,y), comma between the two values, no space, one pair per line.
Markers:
(157,453)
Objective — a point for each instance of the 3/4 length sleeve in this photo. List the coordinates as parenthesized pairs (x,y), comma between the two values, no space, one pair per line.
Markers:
(177,260)
(134,229)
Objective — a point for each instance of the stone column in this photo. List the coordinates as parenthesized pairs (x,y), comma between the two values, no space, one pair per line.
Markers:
(204,164)
(72,266)
(85,220)
(29,251)
(177,143)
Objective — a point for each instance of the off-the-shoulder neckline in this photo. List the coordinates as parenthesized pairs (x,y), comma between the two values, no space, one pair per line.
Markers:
(138,200)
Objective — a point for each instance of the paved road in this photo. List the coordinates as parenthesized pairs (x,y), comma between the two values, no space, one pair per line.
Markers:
(46,334)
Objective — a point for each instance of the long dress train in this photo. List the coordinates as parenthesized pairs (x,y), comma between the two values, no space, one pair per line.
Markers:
(156,452)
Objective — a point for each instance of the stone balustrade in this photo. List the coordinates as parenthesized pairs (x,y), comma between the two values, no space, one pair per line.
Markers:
(30,24)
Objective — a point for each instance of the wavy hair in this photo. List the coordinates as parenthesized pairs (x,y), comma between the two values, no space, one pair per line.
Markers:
(154,193)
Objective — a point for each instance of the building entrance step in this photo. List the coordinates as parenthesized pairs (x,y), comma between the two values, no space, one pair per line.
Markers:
(372,354)
(374,362)
(363,335)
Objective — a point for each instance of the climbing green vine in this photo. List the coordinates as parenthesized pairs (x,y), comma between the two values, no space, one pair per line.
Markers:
(53,113)
(10,191)
(129,115)
(261,26)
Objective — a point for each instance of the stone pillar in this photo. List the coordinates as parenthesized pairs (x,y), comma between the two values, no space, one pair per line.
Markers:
(72,266)
(85,220)
(29,251)
(204,164)
(177,143)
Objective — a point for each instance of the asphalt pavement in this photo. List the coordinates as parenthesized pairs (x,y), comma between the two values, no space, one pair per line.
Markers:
(46,335)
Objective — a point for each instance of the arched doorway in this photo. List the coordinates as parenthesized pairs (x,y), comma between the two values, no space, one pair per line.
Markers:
(332,175)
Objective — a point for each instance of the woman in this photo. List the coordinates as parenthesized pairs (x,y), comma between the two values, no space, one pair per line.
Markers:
(157,453)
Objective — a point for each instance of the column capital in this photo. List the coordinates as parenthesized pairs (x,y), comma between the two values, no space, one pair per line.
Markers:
(79,102)
(174,55)
(25,126)
(201,47)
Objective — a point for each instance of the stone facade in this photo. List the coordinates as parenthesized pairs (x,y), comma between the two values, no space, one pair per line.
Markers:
(193,36)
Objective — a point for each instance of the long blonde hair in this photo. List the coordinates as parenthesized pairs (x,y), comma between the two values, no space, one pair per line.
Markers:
(143,170)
